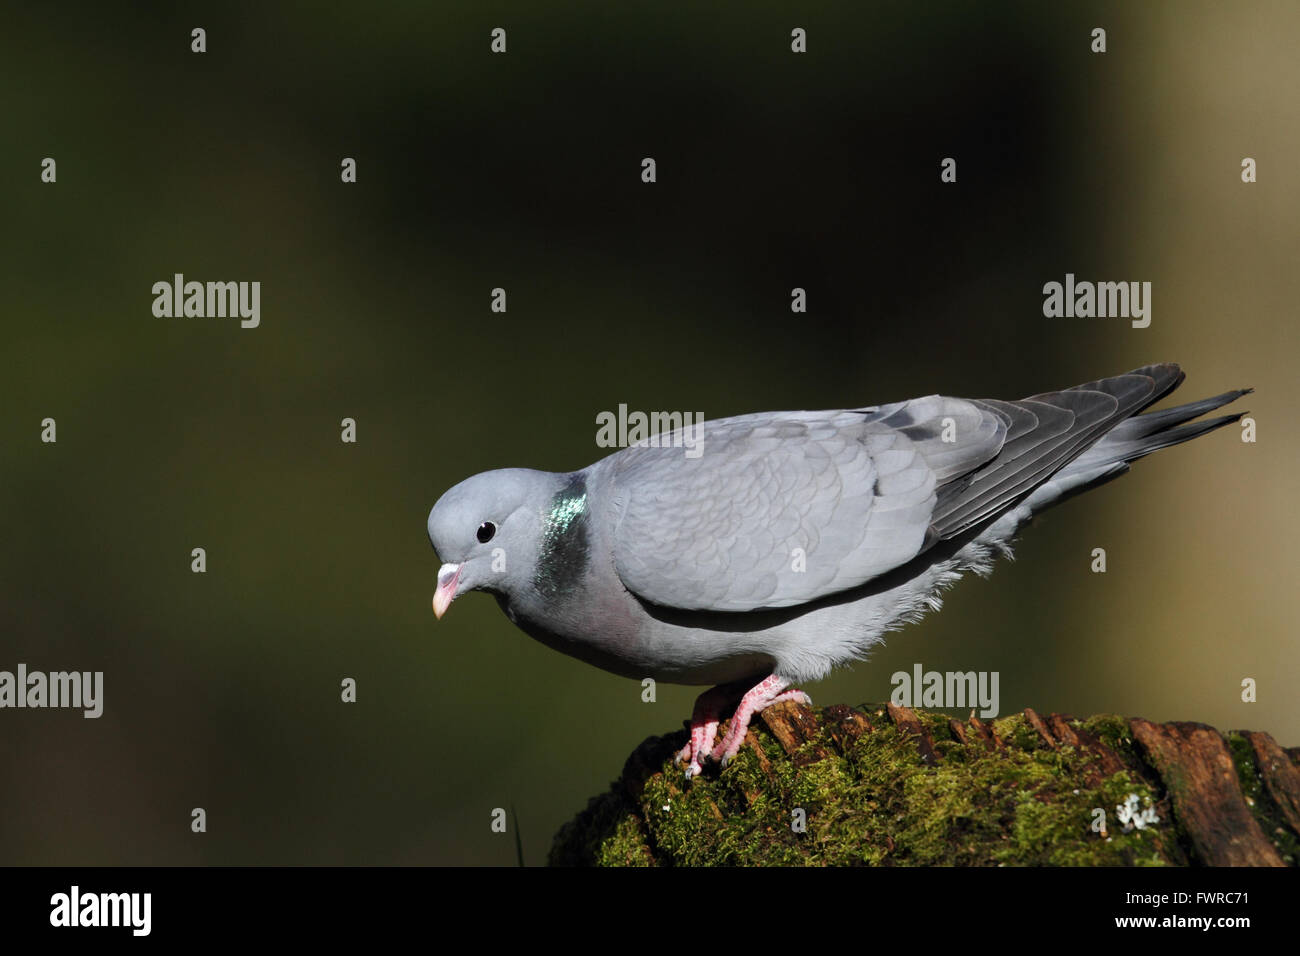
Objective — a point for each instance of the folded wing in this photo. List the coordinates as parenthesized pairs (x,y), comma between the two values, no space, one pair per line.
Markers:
(780,509)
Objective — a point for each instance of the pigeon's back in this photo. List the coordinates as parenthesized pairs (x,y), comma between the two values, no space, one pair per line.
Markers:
(782,509)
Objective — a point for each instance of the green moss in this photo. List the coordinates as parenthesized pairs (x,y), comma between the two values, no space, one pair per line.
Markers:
(608,832)
(626,846)
(1266,814)
(1113,731)
(878,803)
(1015,731)
(1243,758)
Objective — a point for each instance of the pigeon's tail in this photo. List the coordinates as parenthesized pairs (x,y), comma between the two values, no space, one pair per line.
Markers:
(1135,438)
(1060,443)
(1055,442)
(1142,434)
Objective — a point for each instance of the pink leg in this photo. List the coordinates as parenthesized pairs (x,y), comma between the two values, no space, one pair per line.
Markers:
(767,692)
(704,727)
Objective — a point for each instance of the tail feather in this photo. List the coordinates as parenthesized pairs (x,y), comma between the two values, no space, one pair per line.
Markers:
(1045,432)
(1143,434)
(1140,426)
(1134,437)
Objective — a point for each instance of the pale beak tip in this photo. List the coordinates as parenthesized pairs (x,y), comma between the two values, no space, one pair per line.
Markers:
(448,578)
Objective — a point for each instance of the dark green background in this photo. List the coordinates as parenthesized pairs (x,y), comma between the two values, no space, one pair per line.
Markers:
(523,171)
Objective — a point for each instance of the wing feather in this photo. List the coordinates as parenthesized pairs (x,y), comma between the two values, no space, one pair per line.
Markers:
(785,508)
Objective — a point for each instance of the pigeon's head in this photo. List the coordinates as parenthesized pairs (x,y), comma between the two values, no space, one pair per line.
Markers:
(485,531)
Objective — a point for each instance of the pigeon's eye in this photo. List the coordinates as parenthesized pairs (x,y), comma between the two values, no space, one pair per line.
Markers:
(485,532)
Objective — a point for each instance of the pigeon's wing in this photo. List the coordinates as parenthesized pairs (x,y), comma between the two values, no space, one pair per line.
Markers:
(1045,433)
(778,509)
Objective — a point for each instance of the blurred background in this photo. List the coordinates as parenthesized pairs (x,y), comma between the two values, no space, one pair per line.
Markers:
(775,170)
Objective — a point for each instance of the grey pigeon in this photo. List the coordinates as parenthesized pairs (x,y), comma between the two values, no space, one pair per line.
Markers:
(789,542)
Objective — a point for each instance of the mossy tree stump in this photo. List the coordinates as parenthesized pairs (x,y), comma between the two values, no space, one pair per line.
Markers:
(891,786)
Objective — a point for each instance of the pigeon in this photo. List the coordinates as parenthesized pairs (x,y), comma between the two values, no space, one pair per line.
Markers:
(785,544)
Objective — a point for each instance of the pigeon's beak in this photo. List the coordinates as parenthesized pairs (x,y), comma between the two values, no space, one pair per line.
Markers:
(448,578)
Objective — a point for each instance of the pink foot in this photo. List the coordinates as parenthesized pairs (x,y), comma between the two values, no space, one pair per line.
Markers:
(704,721)
(704,728)
(769,691)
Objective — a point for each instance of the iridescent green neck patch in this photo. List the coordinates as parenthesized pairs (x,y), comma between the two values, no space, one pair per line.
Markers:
(564,552)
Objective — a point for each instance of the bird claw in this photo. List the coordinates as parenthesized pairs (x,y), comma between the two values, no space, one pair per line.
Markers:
(703,744)
(684,756)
